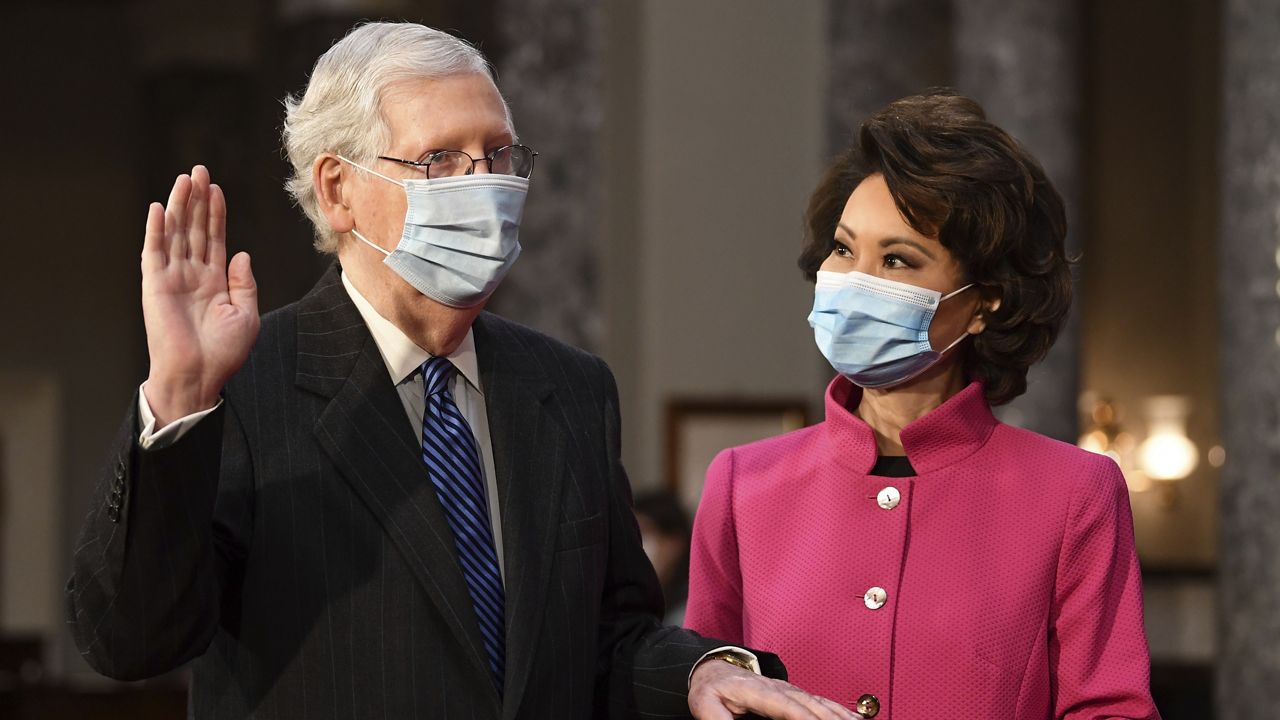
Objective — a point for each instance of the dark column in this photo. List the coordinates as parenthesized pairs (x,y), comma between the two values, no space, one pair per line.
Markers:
(549,69)
(1248,679)
(1020,61)
(882,50)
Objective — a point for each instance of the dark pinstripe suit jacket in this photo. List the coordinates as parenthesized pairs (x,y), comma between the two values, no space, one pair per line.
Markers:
(291,545)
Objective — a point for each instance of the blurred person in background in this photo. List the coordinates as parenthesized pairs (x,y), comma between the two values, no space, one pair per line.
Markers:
(911,555)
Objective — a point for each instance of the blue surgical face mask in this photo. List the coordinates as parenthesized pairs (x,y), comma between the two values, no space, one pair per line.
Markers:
(460,235)
(875,331)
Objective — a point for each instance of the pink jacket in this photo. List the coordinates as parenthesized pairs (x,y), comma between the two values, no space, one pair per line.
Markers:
(1005,574)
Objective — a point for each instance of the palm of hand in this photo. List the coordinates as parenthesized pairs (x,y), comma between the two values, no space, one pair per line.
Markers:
(201,316)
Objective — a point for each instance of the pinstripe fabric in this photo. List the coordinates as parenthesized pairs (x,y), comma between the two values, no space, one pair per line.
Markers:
(293,550)
(453,463)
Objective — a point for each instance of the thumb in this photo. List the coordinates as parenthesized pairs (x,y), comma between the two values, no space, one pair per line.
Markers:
(241,286)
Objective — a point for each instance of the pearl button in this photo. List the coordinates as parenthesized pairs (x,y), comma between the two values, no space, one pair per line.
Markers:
(875,598)
(889,498)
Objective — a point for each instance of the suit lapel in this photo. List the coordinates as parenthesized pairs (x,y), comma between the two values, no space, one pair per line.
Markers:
(363,431)
(529,454)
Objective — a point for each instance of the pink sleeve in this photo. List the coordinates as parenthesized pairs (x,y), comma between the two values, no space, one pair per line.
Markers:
(1097,644)
(715,579)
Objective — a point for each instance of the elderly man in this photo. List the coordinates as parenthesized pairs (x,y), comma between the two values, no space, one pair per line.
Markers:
(380,501)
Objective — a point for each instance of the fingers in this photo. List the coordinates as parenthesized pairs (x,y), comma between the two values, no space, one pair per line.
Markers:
(824,708)
(758,695)
(803,706)
(153,245)
(784,707)
(241,286)
(217,230)
(198,213)
(770,698)
(192,224)
(837,709)
(175,218)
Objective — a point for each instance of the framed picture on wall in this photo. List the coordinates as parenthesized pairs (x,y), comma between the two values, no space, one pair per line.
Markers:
(699,428)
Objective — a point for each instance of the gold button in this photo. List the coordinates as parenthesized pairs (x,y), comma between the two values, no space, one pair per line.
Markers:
(868,706)
(875,598)
(888,498)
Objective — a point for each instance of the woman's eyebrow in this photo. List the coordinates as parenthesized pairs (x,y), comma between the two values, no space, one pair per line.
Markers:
(886,242)
(909,243)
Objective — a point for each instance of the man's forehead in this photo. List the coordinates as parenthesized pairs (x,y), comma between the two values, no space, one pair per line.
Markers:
(432,110)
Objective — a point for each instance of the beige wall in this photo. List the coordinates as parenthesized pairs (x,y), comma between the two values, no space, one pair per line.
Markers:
(714,138)
(30,515)
(1149,300)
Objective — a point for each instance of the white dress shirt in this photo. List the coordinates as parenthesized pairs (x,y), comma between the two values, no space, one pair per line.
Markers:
(403,359)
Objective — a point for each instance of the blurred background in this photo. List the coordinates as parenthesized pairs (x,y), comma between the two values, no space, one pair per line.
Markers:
(679,141)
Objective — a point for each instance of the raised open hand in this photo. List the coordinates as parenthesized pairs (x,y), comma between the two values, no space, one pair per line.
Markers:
(201,315)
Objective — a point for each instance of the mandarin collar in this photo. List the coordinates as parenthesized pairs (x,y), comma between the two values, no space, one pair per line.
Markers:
(947,434)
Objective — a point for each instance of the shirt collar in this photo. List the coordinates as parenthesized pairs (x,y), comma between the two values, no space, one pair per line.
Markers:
(402,355)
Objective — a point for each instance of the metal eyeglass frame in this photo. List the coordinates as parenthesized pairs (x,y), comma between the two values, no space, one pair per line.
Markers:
(426,165)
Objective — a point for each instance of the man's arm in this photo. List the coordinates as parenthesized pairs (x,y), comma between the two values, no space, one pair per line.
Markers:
(647,665)
(150,562)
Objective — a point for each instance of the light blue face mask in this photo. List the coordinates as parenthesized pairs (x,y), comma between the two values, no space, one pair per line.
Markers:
(875,331)
(460,235)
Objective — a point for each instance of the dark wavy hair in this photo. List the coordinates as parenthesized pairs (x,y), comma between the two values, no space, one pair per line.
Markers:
(956,176)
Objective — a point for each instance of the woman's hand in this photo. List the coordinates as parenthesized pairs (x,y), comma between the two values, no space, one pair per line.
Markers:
(201,316)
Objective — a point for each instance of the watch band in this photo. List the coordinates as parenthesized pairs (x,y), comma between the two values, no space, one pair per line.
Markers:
(732,658)
(732,655)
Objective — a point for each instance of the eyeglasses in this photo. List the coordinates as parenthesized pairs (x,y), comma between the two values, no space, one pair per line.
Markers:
(507,160)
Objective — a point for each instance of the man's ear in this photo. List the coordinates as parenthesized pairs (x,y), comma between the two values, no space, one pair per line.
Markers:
(989,303)
(328,174)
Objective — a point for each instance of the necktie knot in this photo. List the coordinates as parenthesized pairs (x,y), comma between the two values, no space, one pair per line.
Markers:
(436,374)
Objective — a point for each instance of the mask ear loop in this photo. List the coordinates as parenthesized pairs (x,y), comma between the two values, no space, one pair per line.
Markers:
(964,334)
(954,343)
(954,293)
(354,231)
(371,171)
(365,240)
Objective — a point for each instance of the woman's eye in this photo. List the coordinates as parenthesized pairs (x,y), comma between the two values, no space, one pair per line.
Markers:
(895,261)
(842,251)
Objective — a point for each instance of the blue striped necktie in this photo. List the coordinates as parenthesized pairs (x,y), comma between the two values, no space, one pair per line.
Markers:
(453,463)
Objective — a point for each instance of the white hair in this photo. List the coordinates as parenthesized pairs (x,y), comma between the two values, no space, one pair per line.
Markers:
(340,111)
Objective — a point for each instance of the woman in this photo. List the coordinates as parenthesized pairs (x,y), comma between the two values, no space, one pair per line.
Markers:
(911,556)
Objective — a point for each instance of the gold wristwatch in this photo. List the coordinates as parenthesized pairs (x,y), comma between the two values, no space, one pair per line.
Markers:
(732,658)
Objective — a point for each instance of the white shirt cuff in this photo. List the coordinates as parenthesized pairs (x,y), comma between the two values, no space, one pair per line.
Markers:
(148,438)
(747,655)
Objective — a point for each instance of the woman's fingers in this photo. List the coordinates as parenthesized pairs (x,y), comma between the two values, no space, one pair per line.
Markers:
(175,219)
(198,214)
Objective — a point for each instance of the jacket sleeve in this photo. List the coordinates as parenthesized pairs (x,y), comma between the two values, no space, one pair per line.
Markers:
(644,665)
(715,578)
(152,561)
(1098,653)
